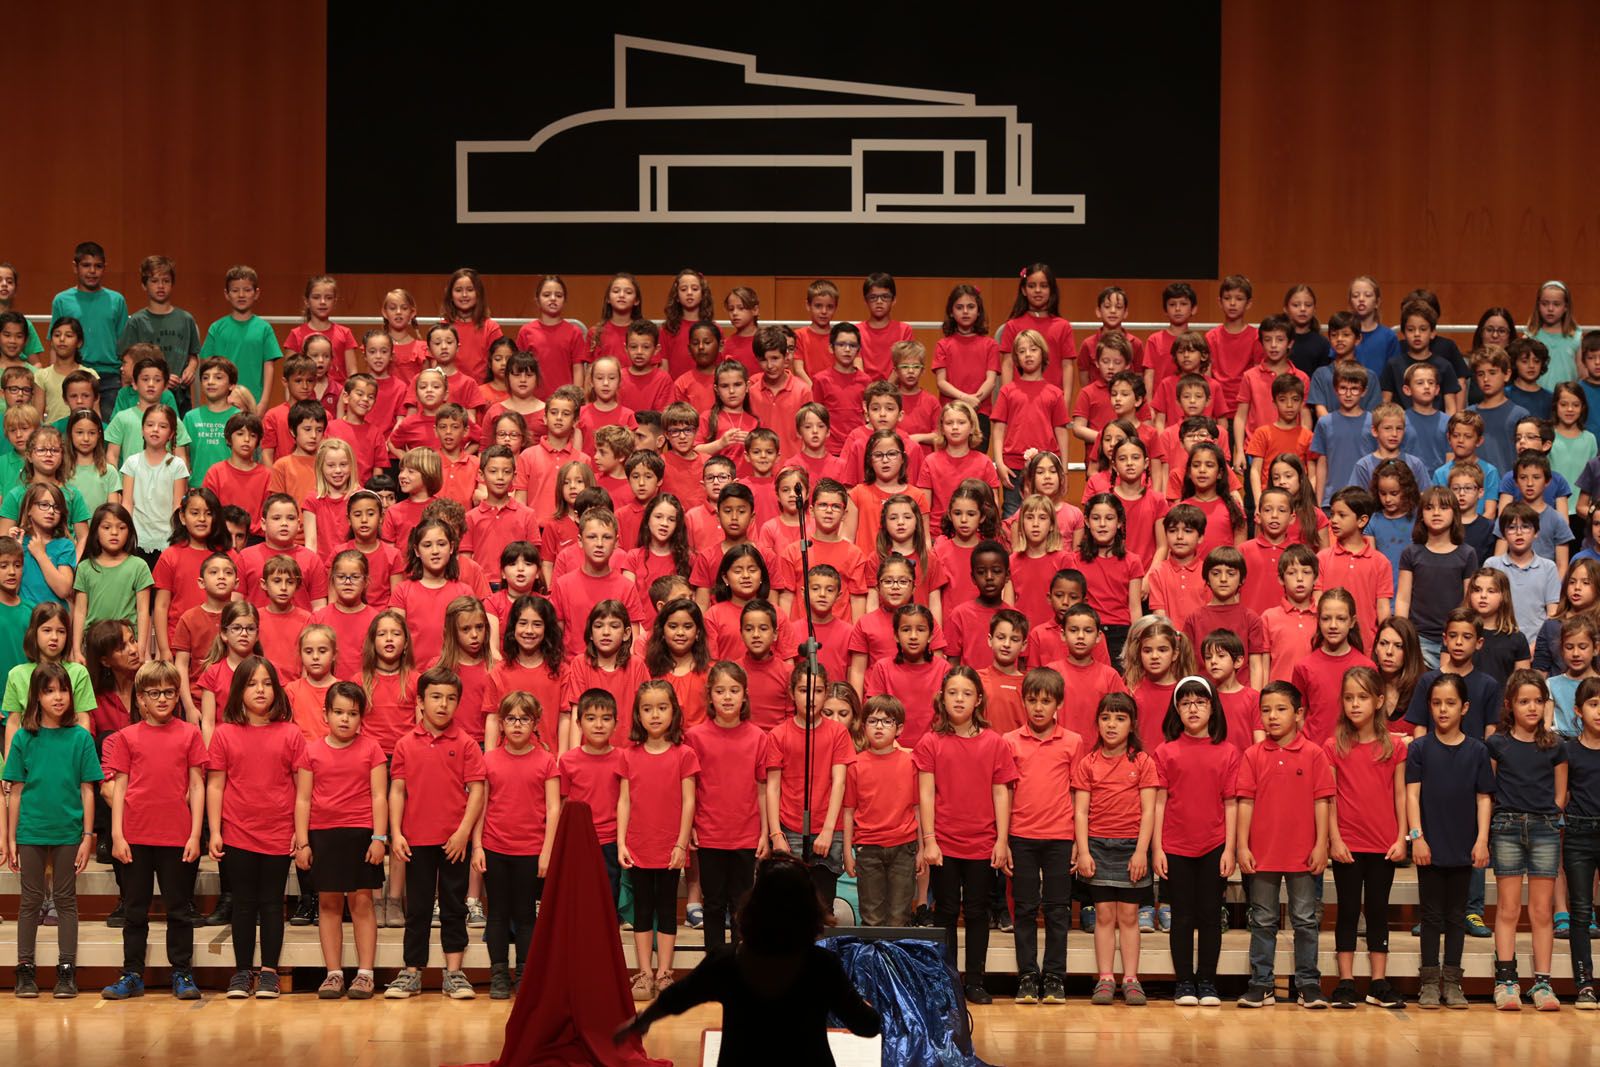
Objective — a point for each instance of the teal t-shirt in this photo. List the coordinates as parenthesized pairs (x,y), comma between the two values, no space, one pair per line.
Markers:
(1563,349)
(175,333)
(78,509)
(208,445)
(10,470)
(52,764)
(249,344)
(103,314)
(126,429)
(17,682)
(13,628)
(112,591)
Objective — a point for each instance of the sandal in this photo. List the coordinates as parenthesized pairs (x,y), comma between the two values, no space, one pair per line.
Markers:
(664,981)
(643,986)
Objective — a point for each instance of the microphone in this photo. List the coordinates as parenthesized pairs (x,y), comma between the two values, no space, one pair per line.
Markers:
(800,496)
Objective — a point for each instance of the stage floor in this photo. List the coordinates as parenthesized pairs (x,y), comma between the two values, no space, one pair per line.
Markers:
(303,1031)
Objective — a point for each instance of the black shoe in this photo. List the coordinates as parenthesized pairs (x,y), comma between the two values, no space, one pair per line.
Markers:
(1345,995)
(976,994)
(222,914)
(923,916)
(102,850)
(118,917)
(1055,989)
(306,913)
(66,981)
(500,982)
(27,986)
(1383,995)
(186,916)
(1006,925)
(1028,989)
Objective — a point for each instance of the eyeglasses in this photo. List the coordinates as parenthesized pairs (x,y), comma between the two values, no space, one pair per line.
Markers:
(1194,702)
(879,720)
(348,579)
(711,479)
(159,694)
(48,505)
(679,431)
(241,629)
(887,455)
(895,583)
(515,719)
(846,346)
(21,390)
(45,450)
(880,298)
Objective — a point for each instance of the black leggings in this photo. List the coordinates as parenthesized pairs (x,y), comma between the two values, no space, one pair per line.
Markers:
(1444,911)
(1194,888)
(258,884)
(726,875)
(963,886)
(1363,887)
(655,899)
(513,886)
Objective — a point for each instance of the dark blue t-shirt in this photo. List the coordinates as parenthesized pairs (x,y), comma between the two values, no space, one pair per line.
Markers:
(1524,774)
(1583,779)
(1452,776)
(1483,702)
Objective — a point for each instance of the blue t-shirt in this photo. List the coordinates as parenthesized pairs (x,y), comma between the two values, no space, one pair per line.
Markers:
(1556,488)
(1536,402)
(1500,433)
(34,589)
(1524,774)
(1391,537)
(1376,348)
(1532,587)
(1425,437)
(1368,465)
(1583,780)
(1554,530)
(1437,579)
(1452,777)
(1491,478)
(103,313)
(1483,702)
(1343,440)
(1323,394)
(1563,694)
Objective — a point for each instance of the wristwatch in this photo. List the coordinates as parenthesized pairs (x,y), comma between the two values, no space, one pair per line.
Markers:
(1414,835)
(381,838)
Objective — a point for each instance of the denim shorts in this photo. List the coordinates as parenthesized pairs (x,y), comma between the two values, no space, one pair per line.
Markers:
(1524,844)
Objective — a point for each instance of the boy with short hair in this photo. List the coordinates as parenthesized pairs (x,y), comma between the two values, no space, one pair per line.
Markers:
(281,618)
(124,433)
(1002,678)
(885,411)
(280,524)
(1341,436)
(1352,562)
(1388,435)
(1530,360)
(541,461)
(1291,625)
(648,436)
(14,614)
(646,386)
(1111,308)
(499,518)
(919,409)
(1492,369)
(591,772)
(1286,793)
(299,383)
(20,422)
(358,427)
(296,473)
(966,629)
(814,428)
(761,452)
(1459,645)
(574,593)
(643,470)
(814,340)
(1417,325)
(1257,396)
(1274,512)
(1344,334)
(880,333)
(1091,410)
(1179,301)
(1536,436)
(1042,834)
(829,500)
(1464,435)
(1224,571)
(1223,657)
(736,510)
(1191,359)
(241,336)
(169,328)
(1555,532)
(453,426)
(1235,344)
(826,586)
(239,479)
(1287,433)
(1087,675)
(1465,483)
(1176,587)
(882,818)
(103,313)
(684,466)
(776,394)
(435,797)
(1426,425)
(1535,579)
(206,423)
(839,387)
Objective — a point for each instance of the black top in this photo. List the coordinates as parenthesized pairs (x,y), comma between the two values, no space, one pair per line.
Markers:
(774,1008)
(1309,351)
(1583,780)
(1437,579)
(1524,774)
(1500,654)
(1484,693)
(1452,776)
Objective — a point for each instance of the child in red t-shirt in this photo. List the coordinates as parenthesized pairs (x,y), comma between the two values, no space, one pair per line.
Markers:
(432,582)
(1222,655)
(591,772)
(967,627)
(239,479)
(912,674)
(1002,679)
(966,361)
(882,825)
(1083,668)
(1320,673)
(766,663)
(1291,624)
(238,630)
(1224,571)
(965,770)
(829,501)
(789,794)
(197,628)
(1285,790)
(1114,783)
(522,805)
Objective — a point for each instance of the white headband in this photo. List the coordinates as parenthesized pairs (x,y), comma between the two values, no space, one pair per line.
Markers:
(1204,684)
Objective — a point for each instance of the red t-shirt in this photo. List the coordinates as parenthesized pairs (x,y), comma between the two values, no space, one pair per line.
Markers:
(157,760)
(873,636)
(591,418)
(699,391)
(543,683)
(733,768)
(651,391)
(919,412)
(1041,810)
(965,771)
(595,780)
(1261,590)
(1114,785)
(703,564)
(478,698)
(178,571)
(852,467)
(1198,777)
(1242,710)
(1364,780)
(1085,687)
(1245,624)
(1231,354)
(1153,701)
(877,347)
(841,393)
(1289,634)
(472,355)
(942,472)
(1219,526)
(216,679)
(833,639)
(247,489)
(369,441)
(767,688)
(967,359)
(1056,331)
(308,703)
(1255,389)
(349,634)
(1320,679)
(830,747)
(313,575)
(280,640)
(575,594)
(383,562)
(957,562)
(341,783)
(1107,580)
(1031,578)
(558,348)
(914,684)
(1086,350)
(966,633)
(579,676)
(655,800)
(776,536)
(258,800)
(436,770)
(514,816)
(883,790)
(194,634)
(424,608)
(1366,575)
(341,337)
(1031,411)
(852,565)
(1285,781)
(724,633)
(391,709)
(776,409)
(691,690)
(1141,517)
(813,350)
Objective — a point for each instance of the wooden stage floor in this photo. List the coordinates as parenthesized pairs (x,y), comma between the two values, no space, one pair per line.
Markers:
(303,1031)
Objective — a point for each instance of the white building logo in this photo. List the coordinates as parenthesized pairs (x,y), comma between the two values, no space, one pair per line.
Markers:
(940,133)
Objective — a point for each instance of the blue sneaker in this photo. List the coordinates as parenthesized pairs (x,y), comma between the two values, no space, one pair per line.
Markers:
(1147,919)
(1086,918)
(131,984)
(183,986)
(1164,918)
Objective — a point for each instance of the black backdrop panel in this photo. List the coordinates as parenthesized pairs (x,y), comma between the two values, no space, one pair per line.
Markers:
(539,139)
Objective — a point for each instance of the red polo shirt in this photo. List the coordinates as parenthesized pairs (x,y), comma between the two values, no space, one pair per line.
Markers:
(1285,781)
(1041,809)
(436,770)
(1114,785)
(1366,575)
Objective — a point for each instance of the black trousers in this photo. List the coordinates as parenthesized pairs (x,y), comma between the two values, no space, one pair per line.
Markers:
(726,875)
(655,899)
(1194,888)
(429,869)
(1444,912)
(258,883)
(1363,887)
(513,886)
(962,886)
(1042,871)
(177,892)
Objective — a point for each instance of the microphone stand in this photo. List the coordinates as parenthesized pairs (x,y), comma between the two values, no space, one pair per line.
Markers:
(809,650)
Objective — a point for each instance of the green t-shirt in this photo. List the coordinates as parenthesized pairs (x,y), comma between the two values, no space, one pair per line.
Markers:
(249,345)
(94,486)
(128,397)
(103,313)
(13,628)
(175,333)
(10,470)
(78,509)
(210,447)
(52,764)
(126,430)
(16,694)
(112,591)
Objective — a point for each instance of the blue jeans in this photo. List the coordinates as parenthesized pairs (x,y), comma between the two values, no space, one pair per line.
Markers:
(1580,857)
(1521,843)
(106,388)
(1012,498)
(1264,926)
(1430,652)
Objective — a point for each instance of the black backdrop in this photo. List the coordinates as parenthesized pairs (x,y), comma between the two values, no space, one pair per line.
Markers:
(1124,111)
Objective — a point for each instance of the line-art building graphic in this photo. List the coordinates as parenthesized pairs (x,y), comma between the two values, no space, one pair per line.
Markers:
(783,149)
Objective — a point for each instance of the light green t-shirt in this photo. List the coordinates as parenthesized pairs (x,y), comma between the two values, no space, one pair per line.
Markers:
(53,764)
(16,694)
(77,508)
(126,431)
(112,592)
(94,486)
(209,446)
(249,345)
